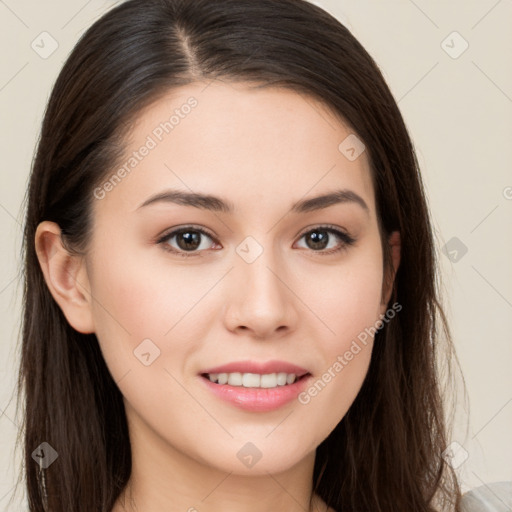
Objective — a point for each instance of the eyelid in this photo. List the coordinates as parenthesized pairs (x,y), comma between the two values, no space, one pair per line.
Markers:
(327,227)
(177,229)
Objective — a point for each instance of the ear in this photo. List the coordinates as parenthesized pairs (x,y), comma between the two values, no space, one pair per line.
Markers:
(394,242)
(66,277)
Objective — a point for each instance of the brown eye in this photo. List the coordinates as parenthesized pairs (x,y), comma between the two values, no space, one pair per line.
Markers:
(186,240)
(318,239)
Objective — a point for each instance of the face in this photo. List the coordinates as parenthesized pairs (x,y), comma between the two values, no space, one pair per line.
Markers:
(258,278)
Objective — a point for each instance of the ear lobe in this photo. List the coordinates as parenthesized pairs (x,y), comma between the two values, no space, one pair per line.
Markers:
(66,277)
(394,242)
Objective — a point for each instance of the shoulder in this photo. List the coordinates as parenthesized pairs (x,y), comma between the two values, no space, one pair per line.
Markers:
(494,497)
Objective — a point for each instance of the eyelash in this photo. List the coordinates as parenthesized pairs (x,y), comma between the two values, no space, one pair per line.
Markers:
(346,239)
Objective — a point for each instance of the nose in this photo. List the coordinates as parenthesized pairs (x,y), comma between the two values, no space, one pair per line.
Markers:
(261,300)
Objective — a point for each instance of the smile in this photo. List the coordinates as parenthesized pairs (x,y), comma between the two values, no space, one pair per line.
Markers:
(256,387)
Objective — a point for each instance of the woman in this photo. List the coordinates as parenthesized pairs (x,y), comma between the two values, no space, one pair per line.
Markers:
(231,292)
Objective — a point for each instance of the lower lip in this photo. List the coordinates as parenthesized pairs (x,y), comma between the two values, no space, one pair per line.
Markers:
(257,399)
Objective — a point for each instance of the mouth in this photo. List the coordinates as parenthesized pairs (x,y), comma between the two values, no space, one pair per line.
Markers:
(255,380)
(256,387)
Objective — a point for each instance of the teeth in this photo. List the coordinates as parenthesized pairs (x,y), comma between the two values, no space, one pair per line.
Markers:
(253,380)
(281,379)
(271,381)
(235,379)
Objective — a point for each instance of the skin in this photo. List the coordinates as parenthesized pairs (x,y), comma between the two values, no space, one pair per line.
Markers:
(262,150)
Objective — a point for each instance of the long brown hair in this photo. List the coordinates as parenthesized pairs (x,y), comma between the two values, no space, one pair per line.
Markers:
(385,455)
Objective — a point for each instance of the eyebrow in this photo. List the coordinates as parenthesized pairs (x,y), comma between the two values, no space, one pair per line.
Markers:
(217,204)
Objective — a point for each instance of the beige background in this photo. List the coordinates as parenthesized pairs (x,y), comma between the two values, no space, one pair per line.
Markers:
(458,109)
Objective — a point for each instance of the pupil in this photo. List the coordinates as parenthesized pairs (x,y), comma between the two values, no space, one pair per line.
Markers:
(190,239)
(319,239)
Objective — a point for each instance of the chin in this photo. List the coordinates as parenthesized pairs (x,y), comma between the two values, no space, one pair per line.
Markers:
(258,457)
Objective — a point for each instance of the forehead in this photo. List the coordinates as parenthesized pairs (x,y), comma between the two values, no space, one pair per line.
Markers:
(254,146)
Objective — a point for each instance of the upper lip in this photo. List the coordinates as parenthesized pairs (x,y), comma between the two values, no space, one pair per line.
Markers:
(262,368)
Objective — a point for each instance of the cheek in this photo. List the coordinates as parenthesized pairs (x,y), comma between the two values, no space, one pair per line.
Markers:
(134,302)
(141,295)
(350,309)
(142,291)
(346,358)
(349,300)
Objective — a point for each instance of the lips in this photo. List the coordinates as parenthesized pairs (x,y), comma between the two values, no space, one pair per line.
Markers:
(257,387)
